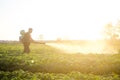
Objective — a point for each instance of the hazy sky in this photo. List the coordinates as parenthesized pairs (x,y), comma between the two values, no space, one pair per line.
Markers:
(73,19)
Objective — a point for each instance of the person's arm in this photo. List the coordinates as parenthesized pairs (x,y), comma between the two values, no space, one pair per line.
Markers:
(33,41)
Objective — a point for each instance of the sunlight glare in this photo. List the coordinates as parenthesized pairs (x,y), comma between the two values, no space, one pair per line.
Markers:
(58,19)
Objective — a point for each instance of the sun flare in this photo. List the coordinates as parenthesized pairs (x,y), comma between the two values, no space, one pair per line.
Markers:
(73,33)
(65,19)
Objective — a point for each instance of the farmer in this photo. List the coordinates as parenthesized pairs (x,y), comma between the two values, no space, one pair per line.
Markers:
(27,39)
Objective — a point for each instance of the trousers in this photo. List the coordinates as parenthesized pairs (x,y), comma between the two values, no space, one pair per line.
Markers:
(26,47)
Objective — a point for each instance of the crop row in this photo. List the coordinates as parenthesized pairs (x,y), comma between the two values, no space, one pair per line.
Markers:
(25,75)
(46,59)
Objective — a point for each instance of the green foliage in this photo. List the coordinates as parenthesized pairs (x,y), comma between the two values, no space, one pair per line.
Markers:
(25,75)
(47,63)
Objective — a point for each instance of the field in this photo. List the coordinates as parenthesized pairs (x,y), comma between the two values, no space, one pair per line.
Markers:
(49,63)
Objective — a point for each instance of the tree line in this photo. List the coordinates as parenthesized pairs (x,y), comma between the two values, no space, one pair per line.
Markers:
(112,31)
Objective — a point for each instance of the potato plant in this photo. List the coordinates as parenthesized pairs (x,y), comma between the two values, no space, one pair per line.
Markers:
(47,63)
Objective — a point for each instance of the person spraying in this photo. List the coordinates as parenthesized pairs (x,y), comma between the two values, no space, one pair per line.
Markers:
(26,39)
